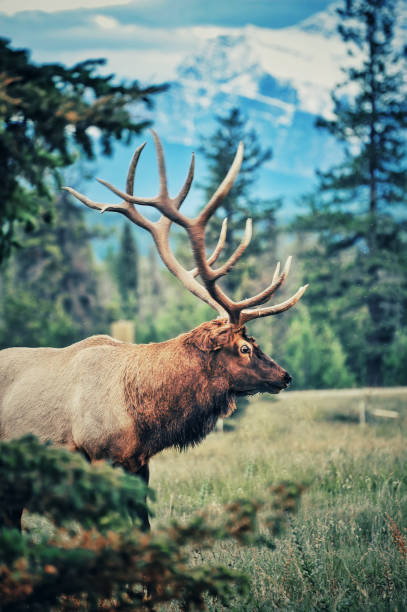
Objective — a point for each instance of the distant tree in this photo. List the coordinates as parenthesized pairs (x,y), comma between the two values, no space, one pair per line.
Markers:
(315,355)
(182,311)
(219,150)
(46,112)
(127,271)
(395,360)
(359,260)
(50,293)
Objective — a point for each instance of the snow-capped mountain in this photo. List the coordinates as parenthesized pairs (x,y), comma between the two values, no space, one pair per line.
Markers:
(280,79)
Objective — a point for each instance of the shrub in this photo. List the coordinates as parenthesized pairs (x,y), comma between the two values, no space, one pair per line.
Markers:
(94,556)
(316,355)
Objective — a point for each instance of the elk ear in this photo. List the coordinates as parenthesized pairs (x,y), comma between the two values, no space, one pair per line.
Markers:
(212,337)
(220,338)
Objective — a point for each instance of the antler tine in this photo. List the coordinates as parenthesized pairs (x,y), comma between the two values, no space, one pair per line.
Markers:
(132,169)
(161,166)
(218,248)
(238,253)
(127,197)
(87,201)
(248,315)
(124,207)
(266,294)
(223,188)
(187,185)
(276,272)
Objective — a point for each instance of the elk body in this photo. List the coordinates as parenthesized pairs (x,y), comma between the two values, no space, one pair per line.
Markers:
(123,402)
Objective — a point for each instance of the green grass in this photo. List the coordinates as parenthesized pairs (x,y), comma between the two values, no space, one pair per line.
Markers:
(346,548)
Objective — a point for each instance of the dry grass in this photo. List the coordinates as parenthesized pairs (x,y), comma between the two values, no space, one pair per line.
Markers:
(340,552)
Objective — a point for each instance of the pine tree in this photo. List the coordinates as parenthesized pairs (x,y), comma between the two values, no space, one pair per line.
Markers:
(219,150)
(315,355)
(359,260)
(127,272)
(50,291)
(45,115)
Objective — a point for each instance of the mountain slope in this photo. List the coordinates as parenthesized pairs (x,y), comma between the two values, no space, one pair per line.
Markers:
(280,79)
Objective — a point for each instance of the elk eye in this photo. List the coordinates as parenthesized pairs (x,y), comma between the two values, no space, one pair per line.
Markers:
(245,348)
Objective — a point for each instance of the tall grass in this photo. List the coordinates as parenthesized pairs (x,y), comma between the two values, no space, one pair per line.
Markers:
(347,547)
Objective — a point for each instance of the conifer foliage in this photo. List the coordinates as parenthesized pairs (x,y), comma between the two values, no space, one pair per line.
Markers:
(46,112)
(93,556)
(359,213)
(219,149)
(50,289)
(127,272)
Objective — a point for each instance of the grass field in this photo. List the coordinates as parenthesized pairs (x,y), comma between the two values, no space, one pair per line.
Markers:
(346,549)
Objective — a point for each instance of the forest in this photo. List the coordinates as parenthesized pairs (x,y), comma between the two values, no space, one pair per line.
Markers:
(349,242)
(298,503)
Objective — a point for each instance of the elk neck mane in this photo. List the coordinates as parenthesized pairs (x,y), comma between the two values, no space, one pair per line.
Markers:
(175,390)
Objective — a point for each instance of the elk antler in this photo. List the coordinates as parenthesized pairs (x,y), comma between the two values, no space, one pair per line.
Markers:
(238,312)
(159,229)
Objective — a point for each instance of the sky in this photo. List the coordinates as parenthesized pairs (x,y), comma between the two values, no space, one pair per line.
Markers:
(270,13)
(158,33)
(146,40)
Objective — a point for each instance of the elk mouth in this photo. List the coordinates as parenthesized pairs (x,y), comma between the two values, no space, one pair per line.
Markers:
(274,388)
(266,387)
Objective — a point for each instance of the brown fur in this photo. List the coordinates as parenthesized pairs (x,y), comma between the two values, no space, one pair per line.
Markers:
(124,402)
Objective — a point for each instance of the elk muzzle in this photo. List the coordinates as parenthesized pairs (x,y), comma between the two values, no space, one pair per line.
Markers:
(273,378)
(278,384)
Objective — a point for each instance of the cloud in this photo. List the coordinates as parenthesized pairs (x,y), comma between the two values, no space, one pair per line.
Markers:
(176,13)
(133,50)
(11,7)
(143,39)
(106,23)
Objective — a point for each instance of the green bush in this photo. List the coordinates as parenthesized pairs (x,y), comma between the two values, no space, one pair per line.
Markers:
(316,355)
(93,554)
(64,487)
(395,359)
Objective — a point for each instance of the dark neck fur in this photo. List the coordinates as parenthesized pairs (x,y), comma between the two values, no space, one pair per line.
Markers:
(177,396)
(182,433)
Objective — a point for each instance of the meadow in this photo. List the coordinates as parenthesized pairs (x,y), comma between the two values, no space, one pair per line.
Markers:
(346,548)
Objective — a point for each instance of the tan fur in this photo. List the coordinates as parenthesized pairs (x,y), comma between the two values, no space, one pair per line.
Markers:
(126,402)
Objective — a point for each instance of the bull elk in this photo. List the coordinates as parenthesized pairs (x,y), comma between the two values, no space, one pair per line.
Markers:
(123,402)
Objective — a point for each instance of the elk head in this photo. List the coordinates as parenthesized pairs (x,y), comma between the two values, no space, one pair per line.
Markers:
(250,370)
(237,358)
(235,354)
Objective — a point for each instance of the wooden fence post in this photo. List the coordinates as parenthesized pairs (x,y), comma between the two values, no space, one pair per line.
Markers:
(362,412)
(123,330)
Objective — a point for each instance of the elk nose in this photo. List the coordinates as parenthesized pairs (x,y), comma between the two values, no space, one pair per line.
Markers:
(287,379)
